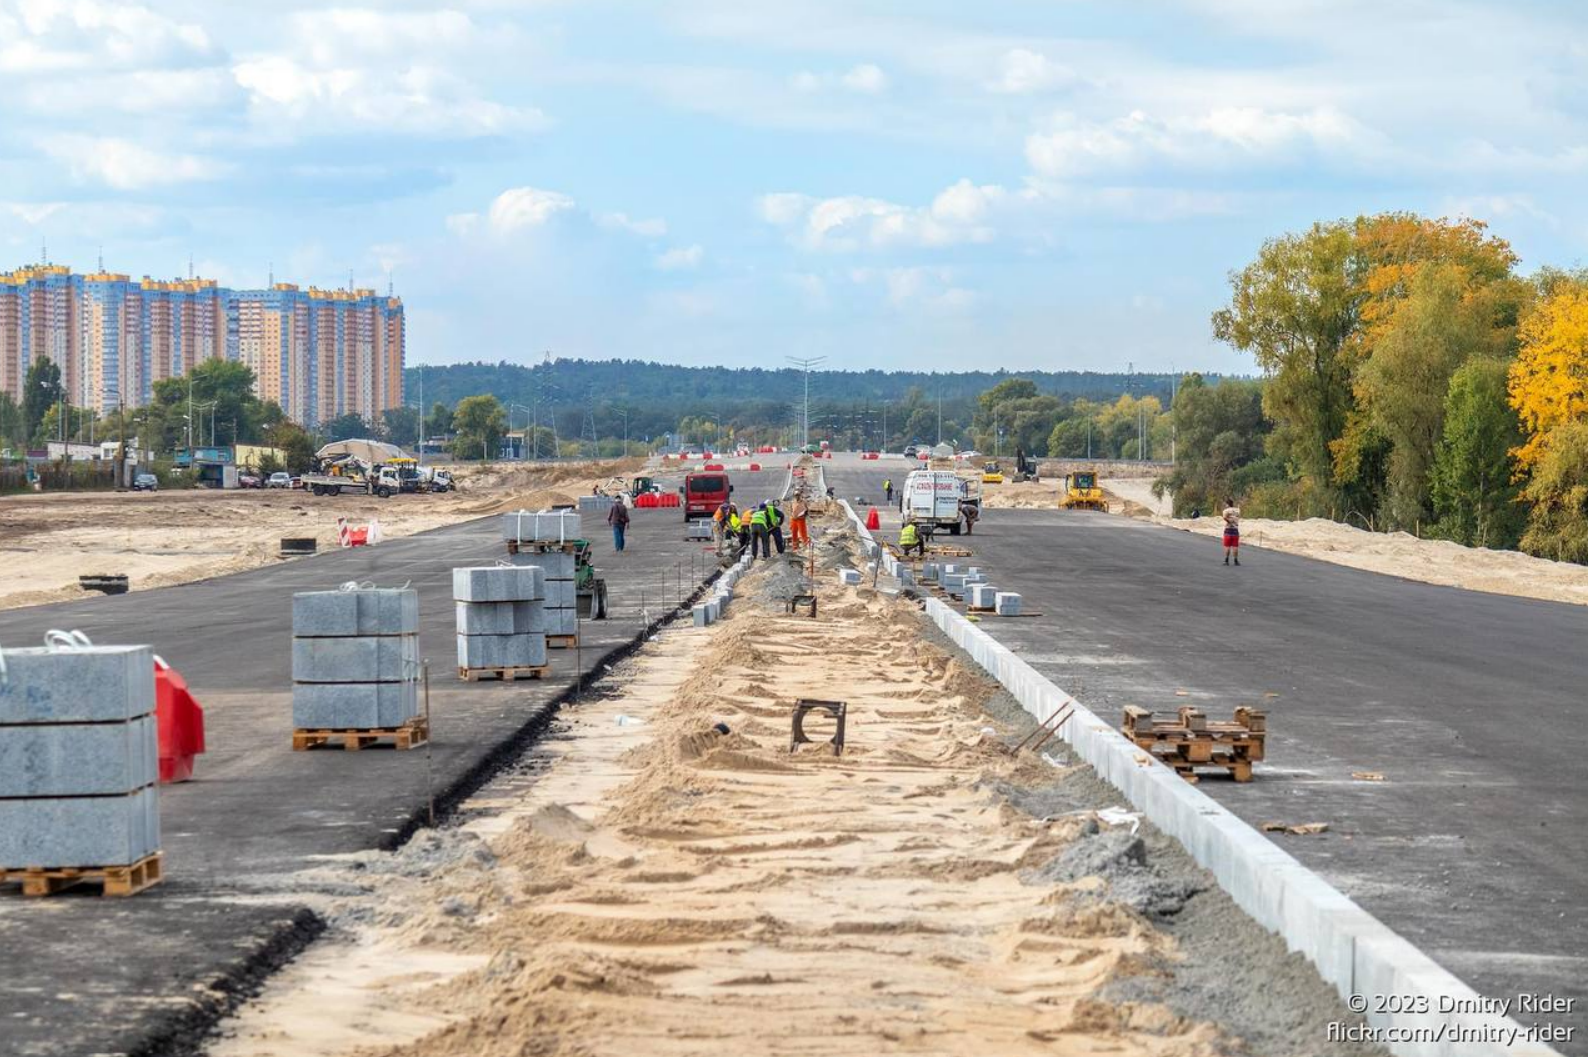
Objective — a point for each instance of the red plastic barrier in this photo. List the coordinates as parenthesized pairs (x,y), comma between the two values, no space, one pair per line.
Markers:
(765,449)
(712,466)
(668,499)
(179,724)
(872,521)
(647,500)
(755,467)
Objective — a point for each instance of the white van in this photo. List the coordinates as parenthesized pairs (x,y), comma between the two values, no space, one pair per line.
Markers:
(931,500)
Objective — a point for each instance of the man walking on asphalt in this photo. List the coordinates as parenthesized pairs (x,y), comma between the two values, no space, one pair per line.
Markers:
(887,491)
(1232,532)
(618,518)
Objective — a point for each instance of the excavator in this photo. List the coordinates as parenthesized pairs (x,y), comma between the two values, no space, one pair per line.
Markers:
(1082,492)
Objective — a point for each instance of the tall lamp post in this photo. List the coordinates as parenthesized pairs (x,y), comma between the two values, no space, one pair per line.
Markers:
(806,365)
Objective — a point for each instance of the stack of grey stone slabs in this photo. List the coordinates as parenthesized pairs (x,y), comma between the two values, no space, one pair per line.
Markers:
(501,619)
(355,659)
(79,758)
(545,526)
(557,566)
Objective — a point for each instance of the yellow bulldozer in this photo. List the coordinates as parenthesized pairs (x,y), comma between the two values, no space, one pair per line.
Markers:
(1082,492)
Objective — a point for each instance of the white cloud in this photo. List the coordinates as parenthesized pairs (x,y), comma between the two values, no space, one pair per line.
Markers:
(864,79)
(525,207)
(383,97)
(33,213)
(680,258)
(1022,71)
(126,166)
(653,228)
(917,287)
(53,36)
(956,216)
(1216,139)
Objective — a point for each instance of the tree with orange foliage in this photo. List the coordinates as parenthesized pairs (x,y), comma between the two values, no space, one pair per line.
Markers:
(1549,380)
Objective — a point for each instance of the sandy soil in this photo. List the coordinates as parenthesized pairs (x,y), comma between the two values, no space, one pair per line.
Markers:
(665,889)
(175,536)
(1129,495)
(1401,554)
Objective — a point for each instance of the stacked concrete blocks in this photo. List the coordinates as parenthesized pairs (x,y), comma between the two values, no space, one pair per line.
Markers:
(595,506)
(501,619)
(79,762)
(1007,604)
(559,595)
(849,577)
(355,659)
(545,526)
(983,596)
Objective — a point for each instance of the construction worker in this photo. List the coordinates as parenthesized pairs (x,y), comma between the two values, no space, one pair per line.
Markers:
(760,530)
(910,539)
(719,524)
(799,534)
(774,522)
(618,518)
(970,512)
(887,491)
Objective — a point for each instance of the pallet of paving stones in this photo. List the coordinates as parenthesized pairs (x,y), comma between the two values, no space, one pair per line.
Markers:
(114,880)
(409,735)
(1191,740)
(506,675)
(561,642)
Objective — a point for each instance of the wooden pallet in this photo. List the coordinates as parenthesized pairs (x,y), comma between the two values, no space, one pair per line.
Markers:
(116,880)
(1192,740)
(546,547)
(408,736)
(506,675)
(561,642)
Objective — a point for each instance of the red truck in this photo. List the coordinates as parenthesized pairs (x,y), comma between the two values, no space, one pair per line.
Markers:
(703,493)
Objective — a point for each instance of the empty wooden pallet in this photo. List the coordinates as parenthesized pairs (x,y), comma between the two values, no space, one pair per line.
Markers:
(1191,741)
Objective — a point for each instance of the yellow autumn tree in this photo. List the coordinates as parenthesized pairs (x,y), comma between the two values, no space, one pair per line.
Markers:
(1549,378)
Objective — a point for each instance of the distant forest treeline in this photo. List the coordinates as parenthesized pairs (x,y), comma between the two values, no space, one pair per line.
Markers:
(592,396)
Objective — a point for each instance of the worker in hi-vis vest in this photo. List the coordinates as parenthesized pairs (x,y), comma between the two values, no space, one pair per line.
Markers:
(910,539)
(760,533)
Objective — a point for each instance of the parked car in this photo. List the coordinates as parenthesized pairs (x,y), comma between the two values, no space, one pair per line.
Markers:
(279,480)
(910,452)
(248,480)
(296,482)
(145,482)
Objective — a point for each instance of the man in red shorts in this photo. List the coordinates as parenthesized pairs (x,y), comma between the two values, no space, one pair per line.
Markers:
(1232,532)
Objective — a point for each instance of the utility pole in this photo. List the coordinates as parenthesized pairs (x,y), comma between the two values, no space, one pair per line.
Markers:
(940,416)
(420,439)
(806,365)
(1174,391)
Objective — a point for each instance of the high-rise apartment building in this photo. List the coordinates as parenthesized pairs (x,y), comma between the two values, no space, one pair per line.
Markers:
(317,353)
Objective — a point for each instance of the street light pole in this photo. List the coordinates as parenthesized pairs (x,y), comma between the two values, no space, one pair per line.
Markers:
(806,365)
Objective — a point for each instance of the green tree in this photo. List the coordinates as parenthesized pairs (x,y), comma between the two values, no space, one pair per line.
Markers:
(1439,324)
(1293,309)
(296,445)
(439,422)
(401,425)
(1557,524)
(41,391)
(1023,416)
(1471,481)
(222,394)
(346,426)
(13,431)
(479,422)
(1218,430)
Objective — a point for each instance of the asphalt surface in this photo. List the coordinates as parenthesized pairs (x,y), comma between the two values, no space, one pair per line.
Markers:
(1469,704)
(150,974)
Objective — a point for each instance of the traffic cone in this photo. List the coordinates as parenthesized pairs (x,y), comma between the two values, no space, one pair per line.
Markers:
(873,522)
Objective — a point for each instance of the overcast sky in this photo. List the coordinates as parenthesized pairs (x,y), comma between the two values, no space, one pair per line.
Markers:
(919,183)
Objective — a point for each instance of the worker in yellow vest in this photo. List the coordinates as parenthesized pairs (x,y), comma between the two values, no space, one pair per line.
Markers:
(760,533)
(887,491)
(910,539)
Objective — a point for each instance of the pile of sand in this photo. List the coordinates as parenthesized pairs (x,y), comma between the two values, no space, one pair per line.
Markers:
(668,889)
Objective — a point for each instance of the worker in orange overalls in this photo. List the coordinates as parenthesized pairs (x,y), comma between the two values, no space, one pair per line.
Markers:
(799,534)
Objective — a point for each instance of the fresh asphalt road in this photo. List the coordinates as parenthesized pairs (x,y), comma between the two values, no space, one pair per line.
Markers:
(88,975)
(1469,704)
